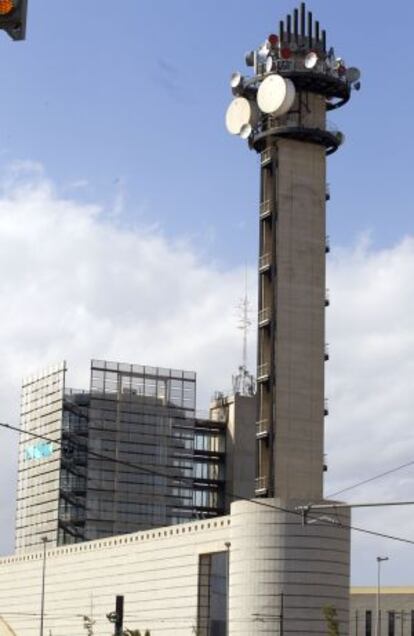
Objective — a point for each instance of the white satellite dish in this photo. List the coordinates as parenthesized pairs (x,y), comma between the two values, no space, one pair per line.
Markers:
(264,50)
(269,64)
(311,60)
(246,131)
(353,74)
(276,95)
(240,113)
(236,80)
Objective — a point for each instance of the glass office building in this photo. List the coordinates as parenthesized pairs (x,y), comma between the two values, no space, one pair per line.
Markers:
(128,454)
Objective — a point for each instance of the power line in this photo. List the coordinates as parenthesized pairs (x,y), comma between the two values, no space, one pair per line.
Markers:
(233,496)
(370,479)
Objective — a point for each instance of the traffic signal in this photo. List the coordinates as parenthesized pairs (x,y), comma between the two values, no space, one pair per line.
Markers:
(13,15)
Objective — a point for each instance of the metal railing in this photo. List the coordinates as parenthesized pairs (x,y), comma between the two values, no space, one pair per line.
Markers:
(264,316)
(263,372)
(265,209)
(262,428)
(261,485)
(265,261)
(266,156)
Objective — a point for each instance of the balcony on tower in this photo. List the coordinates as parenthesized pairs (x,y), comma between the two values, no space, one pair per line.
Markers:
(264,317)
(265,263)
(328,192)
(326,407)
(327,244)
(327,298)
(262,429)
(261,486)
(266,157)
(326,352)
(263,373)
(266,209)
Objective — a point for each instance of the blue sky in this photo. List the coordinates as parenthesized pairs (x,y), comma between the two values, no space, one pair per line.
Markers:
(132,102)
(124,112)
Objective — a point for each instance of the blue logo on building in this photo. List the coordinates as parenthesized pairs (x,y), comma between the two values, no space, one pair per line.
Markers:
(41,450)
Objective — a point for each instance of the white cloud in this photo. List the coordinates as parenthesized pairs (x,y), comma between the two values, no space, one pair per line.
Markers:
(370,384)
(76,284)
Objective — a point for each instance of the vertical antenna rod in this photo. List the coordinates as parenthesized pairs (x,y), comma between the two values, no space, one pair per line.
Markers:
(303,19)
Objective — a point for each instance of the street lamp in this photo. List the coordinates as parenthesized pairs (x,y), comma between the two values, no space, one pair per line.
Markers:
(377,617)
(228,546)
(42,602)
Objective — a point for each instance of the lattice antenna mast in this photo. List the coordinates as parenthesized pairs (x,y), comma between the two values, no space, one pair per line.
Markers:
(243,382)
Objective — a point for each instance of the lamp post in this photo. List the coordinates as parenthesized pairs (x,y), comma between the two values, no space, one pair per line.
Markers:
(228,546)
(377,614)
(42,601)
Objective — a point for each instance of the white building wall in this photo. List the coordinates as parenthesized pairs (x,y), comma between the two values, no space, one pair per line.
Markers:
(271,553)
(156,571)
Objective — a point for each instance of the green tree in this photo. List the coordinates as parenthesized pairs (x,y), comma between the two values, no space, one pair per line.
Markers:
(331,619)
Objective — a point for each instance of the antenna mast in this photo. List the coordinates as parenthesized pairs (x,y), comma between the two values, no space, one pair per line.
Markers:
(243,381)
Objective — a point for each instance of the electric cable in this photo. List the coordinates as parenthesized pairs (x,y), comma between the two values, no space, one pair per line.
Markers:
(370,479)
(233,496)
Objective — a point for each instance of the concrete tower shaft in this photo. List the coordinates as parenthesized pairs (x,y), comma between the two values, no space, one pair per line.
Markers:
(281,110)
(291,338)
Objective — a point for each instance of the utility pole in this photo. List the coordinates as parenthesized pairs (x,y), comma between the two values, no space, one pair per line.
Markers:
(117,617)
(42,601)
(377,613)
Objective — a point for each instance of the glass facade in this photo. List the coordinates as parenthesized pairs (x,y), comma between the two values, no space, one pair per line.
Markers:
(130,455)
(40,459)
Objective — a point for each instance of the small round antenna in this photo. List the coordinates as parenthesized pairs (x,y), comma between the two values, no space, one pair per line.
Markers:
(246,131)
(353,75)
(236,80)
(264,50)
(311,60)
(269,64)
(276,95)
(249,58)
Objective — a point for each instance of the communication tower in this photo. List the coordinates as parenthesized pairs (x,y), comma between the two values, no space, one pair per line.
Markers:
(281,110)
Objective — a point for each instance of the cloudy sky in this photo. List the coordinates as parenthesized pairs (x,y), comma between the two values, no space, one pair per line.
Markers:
(128,218)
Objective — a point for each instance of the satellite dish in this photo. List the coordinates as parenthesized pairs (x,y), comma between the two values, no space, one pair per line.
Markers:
(240,113)
(269,64)
(249,58)
(311,60)
(246,131)
(236,79)
(353,74)
(264,50)
(276,95)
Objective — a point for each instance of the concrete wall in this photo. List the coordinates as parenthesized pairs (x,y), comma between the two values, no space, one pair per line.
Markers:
(157,571)
(273,554)
(300,321)
(399,600)
(240,413)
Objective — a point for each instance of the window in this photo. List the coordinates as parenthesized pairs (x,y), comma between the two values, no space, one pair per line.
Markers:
(368,623)
(391,623)
(212,594)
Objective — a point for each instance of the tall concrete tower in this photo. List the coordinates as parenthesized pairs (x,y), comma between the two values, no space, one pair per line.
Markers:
(281,110)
